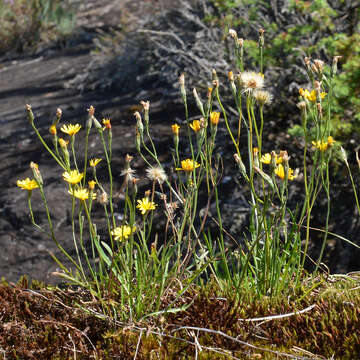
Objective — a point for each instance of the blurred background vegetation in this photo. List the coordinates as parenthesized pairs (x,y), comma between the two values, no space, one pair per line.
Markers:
(25,25)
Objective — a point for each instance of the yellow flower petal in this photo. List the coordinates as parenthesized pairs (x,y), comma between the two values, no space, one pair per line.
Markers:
(27,184)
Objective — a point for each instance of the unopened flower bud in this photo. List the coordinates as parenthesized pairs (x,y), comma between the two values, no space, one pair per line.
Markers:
(52,130)
(241,42)
(58,114)
(261,37)
(36,172)
(146,107)
(319,108)
(198,101)
(241,165)
(334,64)
(231,76)
(30,113)
(139,124)
(91,110)
(182,87)
(265,176)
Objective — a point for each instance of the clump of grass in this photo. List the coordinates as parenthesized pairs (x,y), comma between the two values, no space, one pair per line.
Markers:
(26,24)
(132,276)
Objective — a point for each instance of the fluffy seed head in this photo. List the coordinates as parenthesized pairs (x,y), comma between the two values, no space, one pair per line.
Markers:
(156,173)
(251,81)
(262,97)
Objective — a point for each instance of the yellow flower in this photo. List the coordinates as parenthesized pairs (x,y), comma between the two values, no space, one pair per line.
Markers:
(175,129)
(107,124)
(27,184)
(94,162)
(311,96)
(188,165)
(145,205)
(320,145)
(63,143)
(280,172)
(330,141)
(52,130)
(70,129)
(214,117)
(122,232)
(73,177)
(196,125)
(266,159)
(82,194)
(92,184)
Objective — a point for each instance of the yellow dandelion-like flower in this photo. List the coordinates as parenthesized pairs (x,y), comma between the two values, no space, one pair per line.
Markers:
(188,165)
(27,184)
(122,232)
(70,129)
(280,172)
(145,205)
(320,145)
(73,176)
(196,125)
(214,118)
(94,162)
(266,159)
(82,194)
(107,124)
(175,129)
(331,141)
(311,96)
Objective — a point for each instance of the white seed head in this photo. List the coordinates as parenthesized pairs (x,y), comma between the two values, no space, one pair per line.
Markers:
(251,81)
(156,173)
(262,97)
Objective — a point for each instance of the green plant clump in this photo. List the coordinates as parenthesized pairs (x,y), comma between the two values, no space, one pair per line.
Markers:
(132,274)
(318,28)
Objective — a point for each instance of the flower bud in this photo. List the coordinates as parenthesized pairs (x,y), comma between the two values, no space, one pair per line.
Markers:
(30,113)
(36,172)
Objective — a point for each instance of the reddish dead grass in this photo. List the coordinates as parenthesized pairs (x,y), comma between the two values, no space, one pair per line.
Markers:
(42,323)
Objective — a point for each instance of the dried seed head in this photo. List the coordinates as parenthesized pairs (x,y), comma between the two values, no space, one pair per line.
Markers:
(58,113)
(145,105)
(250,81)
(233,33)
(156,173)
(91,110)
(319,66)
(241,42)
(301,105)
(262,97)
(317,85)
(103,198)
